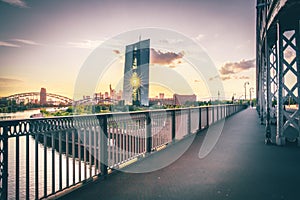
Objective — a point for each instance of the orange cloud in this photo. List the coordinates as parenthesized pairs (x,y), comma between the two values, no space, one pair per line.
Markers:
(229,77)
(236,67)
(244,77)
(168,58)
(116,51)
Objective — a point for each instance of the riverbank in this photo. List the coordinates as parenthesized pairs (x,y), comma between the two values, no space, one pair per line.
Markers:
(28,113)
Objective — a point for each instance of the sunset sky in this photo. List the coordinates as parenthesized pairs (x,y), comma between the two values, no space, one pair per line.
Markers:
(47,43)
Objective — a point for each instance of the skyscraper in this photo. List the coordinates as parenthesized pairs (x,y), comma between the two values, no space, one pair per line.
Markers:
(43,96)
(136,74)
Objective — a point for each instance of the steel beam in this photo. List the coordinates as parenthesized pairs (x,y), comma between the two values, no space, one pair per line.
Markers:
(280,139)
(298,73)
(268,91)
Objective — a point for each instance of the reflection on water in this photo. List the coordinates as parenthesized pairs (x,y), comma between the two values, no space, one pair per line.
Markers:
(19,115)
(40,160)
(25,114)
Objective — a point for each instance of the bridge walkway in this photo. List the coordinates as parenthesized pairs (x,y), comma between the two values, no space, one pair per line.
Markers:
(240,166)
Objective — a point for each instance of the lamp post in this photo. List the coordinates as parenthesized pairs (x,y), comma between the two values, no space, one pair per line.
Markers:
(245,84)
(233,97)
(250,91)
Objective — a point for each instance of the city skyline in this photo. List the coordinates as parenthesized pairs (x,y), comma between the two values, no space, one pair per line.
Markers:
(45,44)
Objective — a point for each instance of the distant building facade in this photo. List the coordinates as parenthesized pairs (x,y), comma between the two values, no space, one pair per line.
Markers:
(136,74)
(176,100)
(183,99)
(43,96)
(108,98)
(161,101)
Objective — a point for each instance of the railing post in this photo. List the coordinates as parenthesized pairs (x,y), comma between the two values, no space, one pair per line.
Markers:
(148,133)
(221,112)
(228,110)
(218,108)
(103,144)
(173,125)
(200,118)
(212,114)
(207,116)
(189,121)
(4,163)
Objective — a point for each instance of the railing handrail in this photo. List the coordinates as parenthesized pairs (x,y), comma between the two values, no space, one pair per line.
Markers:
(113,113)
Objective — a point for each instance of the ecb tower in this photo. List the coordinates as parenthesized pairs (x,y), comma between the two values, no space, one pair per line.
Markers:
(136,74)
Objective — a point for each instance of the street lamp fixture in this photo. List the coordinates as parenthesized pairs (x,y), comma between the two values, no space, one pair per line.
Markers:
(245,84)
(233,97)
(250,91)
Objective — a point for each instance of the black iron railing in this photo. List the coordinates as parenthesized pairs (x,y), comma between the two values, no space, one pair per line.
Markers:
(42,157)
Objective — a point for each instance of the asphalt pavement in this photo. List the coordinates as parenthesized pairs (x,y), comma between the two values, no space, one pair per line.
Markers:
(239,167)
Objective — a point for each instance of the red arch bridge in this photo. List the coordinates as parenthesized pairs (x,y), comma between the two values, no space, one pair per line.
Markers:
(33,96)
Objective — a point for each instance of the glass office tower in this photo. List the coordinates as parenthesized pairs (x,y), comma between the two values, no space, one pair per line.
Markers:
(136,74)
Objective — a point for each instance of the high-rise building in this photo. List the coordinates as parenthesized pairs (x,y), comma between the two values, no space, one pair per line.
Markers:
(136,74)
(43,96)
(161,95)
(183,99)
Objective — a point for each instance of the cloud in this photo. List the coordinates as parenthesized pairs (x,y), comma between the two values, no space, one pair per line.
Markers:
(5,81)
(212,78)
(171,41)
(229,77)
(7,44)
(27,42)
(116,51)
(164,41)
(225,78)
(244,77)
(86,44)
(17,43)
(19,3)
(167,58)
(200,37)
(236,67)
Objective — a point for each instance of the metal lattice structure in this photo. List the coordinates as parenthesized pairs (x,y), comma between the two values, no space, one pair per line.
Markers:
(278,67)
(35,95)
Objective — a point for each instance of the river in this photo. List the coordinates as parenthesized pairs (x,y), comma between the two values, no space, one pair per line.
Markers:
(32,161)
(26,114)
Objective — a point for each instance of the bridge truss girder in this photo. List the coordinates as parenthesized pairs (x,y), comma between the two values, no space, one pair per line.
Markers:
(36,95)
(278,69)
